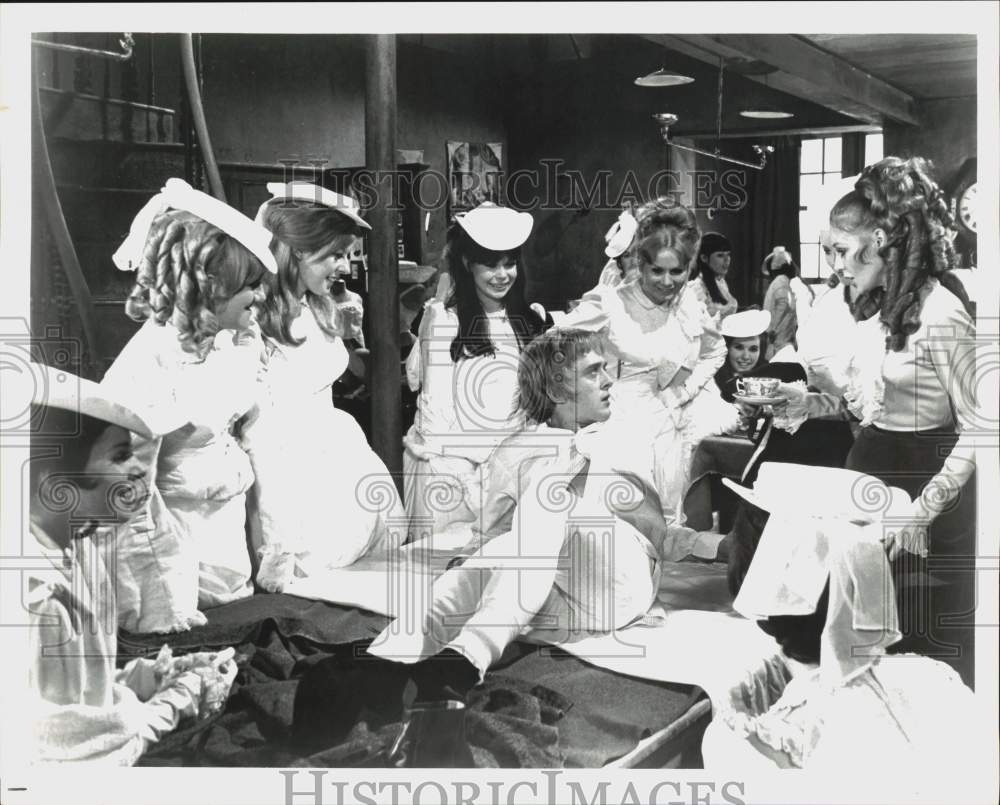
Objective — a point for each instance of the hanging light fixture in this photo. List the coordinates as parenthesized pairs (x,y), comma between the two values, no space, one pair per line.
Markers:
(664,120)
(765,110)
(663,77)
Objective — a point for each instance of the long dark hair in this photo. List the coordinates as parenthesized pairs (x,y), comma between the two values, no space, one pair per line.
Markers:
(899,197)
(473,338)
(711,242)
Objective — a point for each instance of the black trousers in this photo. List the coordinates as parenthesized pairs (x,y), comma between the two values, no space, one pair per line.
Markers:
(936,596)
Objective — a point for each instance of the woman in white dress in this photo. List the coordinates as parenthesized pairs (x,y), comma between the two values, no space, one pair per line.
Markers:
(465,367)
(664,349)
(195,360)
(319,483)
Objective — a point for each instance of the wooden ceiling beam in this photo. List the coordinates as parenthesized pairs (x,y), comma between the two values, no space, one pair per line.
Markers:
(804,71)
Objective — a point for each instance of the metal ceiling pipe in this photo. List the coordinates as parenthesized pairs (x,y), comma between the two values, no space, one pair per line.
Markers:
(198,115)
(383,262)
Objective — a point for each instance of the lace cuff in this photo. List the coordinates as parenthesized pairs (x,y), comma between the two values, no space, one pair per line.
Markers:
(865,399)
(803,405)
(791,416)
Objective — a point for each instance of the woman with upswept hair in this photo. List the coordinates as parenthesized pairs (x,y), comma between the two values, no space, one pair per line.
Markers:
(465,367)
(199,264)
(911,383)
(303,519)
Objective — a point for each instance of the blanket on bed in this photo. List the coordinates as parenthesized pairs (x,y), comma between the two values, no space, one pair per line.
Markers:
(509,723)
(691,635)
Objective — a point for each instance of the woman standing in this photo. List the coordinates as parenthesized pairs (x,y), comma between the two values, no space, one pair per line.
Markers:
(664,349)
(709,282)
(312,462)
(911,383)
(199,266)
(465,367)
(787,299)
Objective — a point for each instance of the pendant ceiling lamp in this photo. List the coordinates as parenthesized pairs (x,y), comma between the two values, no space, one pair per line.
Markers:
(663,77)
(765,110)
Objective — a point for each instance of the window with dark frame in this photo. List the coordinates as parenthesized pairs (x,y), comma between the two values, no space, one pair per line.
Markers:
(823,160)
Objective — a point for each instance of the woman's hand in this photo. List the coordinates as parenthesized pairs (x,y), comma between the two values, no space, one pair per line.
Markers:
(908,533)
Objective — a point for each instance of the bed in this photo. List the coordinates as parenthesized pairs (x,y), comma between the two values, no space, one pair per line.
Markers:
(540,706)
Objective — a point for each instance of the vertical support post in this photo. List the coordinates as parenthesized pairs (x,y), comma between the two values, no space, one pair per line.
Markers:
(383,276)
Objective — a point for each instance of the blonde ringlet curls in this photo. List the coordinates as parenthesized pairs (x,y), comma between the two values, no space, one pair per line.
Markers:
(188,268)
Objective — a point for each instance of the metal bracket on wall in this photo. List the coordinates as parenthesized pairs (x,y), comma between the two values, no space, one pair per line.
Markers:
(666,120)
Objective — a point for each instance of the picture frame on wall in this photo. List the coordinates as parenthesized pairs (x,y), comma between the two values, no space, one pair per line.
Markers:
(475,172)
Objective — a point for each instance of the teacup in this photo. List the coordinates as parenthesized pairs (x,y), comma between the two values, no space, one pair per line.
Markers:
(757,386)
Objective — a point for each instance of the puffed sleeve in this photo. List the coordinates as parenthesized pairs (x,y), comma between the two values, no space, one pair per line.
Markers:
(114,735)
(711,356)
(77,709)
(592,312)
(417,358)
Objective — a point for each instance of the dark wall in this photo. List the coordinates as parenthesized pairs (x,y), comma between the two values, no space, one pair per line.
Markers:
(271,98)
(588,114)
(947,136)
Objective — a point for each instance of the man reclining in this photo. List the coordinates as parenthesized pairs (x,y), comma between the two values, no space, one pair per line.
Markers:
(581,556)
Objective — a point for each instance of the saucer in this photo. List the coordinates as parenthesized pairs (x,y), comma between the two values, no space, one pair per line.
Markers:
(754,399)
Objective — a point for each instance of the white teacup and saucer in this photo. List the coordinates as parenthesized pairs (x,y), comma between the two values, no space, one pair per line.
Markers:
(758,391)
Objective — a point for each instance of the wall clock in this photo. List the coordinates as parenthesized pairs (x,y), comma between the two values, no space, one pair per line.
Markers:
(965,196)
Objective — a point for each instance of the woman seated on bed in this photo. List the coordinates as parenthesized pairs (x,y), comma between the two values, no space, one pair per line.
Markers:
(199,264)
(79,707)
(312,463)
(847,705)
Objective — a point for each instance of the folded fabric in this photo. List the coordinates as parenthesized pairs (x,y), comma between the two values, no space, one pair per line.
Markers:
(823,492)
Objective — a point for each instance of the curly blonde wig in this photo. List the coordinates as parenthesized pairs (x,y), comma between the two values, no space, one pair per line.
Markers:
(188,269)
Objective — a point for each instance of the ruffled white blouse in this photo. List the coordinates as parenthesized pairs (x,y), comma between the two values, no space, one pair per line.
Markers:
(466,408)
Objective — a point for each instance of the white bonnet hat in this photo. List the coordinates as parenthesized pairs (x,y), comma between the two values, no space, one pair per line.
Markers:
(179,195)
(498,229)
(58,388)
(303,191)
(621,234)
(746,324)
